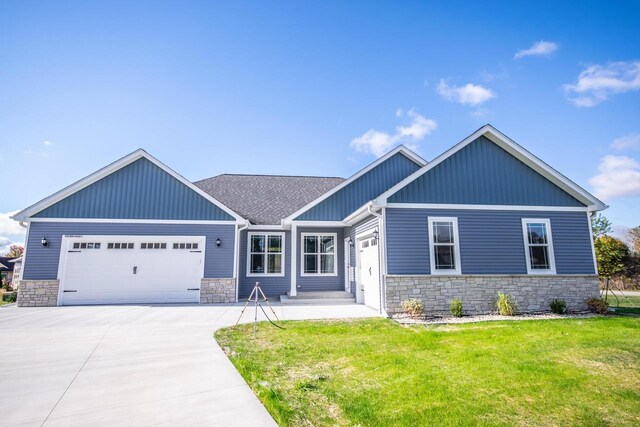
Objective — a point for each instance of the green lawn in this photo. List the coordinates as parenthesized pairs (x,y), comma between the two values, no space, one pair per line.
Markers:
(376,372)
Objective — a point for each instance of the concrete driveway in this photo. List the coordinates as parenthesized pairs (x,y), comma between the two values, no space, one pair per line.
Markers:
(130,365)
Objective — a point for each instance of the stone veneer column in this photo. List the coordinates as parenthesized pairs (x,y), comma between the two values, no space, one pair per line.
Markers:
(479,293)
(217,291)
(38,293)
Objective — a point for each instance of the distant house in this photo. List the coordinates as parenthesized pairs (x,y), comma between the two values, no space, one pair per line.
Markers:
(6,269)
(486,216)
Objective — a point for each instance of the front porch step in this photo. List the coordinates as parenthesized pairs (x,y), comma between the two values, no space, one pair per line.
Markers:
(319,298)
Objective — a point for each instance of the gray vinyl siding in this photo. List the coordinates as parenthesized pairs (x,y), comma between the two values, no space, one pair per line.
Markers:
(491,242)
(272,286)
(42,262)
(140,190)
(321,283)
(367,224)
(485,174)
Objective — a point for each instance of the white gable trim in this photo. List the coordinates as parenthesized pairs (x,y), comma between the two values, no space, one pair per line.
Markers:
(399,149)
(513,148)
(24,214)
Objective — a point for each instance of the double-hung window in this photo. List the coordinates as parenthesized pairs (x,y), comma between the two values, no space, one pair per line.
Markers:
(319,254)
(265,254)
(538,246)
(444,245)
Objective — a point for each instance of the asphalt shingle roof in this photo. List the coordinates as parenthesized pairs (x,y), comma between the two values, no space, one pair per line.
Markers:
(266,199)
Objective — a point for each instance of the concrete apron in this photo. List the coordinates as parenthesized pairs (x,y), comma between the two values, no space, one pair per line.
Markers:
(131,365)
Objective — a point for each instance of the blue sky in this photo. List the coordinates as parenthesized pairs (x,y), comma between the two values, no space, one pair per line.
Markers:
(314,88)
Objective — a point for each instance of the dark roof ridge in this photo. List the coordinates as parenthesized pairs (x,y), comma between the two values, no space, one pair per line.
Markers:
(273,176)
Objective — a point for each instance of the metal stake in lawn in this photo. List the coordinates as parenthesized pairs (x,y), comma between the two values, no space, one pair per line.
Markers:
(254,297)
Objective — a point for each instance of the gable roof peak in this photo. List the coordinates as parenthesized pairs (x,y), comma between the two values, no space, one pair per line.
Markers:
(124,161)
(516,150)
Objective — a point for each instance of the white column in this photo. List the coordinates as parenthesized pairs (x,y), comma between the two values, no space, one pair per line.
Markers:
(294,256)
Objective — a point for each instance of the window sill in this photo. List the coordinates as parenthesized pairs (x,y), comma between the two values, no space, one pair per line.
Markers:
(265,274)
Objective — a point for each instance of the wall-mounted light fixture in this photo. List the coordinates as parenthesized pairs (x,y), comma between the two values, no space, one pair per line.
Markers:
(44,242)
(218,242)
(376,234)
(350,242)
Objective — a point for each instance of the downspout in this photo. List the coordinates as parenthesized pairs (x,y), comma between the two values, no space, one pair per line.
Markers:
(237,256)
(383,258)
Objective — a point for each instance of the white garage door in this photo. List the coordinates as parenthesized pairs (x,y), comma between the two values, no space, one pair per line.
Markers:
(370,272)
(131,269)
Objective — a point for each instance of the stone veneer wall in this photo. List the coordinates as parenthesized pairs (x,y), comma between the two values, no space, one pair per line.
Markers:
(38,293)
(217,291)
(479,293)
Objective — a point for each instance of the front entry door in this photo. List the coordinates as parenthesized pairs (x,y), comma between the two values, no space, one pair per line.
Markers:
(370,272)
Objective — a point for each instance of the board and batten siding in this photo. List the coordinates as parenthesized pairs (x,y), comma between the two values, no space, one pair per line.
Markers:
(272,286)
(140,190)
(41,263)
(370,223)
(321,283)
(363,189)
(483,173)
(491,241)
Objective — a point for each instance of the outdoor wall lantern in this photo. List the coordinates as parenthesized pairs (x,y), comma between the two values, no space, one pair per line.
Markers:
(350,242)
(375,234)
(44,242)
(218,242)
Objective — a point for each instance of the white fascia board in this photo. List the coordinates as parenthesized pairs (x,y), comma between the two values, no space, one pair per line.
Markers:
(355,215)
(399,149)
(518,152)
(487,207)
(137,221)
(265,227)
(24,214)
(319,223)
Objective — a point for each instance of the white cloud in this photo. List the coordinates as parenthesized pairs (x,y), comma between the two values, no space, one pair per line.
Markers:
(629,142)
(598,82)
(469,94)
(539,48)
(47,143)
(618,176)
(10,232)
(378,142)
(9,226)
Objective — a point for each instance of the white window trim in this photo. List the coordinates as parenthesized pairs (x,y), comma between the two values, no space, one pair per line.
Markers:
(265,233)
(552,258)
(456,243)
(335,254)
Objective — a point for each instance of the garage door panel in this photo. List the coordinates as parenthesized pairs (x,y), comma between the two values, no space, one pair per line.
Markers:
(125,270)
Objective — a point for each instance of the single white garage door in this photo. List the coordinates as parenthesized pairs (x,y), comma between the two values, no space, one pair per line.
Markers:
(370,271)
(131,269)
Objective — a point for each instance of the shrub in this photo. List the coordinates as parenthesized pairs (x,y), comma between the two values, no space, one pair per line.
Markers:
(597,305)
(9,297)
(558,306)
(413,307)
(506,304)
(456,308)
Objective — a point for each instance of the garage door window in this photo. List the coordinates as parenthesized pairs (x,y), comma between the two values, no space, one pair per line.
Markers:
(185,246)
(265,255)
(86,245)
(119,245)
(153,246)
